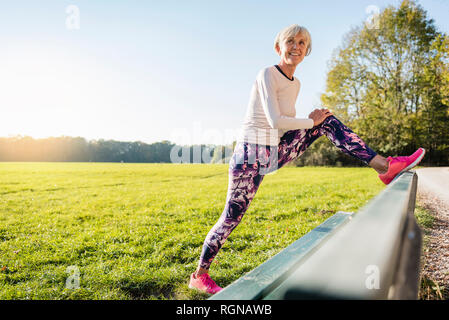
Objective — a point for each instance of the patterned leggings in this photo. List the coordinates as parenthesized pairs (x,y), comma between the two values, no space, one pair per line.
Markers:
(250,162)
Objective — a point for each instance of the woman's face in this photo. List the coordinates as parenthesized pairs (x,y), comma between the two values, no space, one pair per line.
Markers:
(293,50)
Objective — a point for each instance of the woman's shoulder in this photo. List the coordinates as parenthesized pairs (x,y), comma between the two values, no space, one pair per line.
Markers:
(297,82)
(267,69)
(266,72)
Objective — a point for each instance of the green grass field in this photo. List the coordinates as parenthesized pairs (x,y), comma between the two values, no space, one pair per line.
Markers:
(135,231)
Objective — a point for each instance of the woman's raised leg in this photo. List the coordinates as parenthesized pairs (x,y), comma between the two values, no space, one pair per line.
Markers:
(293,143)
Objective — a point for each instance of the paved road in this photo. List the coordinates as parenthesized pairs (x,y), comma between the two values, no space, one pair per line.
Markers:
(433,194)
(436,181)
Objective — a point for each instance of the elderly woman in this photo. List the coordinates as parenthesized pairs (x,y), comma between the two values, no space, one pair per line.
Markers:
(272,136)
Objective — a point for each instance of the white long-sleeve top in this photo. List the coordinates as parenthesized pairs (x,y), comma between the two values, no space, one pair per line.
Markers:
(271,109)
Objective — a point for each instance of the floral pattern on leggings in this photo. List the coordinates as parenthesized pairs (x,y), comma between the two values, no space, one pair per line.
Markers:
(251,162)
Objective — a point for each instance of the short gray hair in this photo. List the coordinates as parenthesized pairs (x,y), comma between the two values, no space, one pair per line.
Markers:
(292,31)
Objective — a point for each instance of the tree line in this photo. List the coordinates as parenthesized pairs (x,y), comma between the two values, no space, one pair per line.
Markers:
(78,149)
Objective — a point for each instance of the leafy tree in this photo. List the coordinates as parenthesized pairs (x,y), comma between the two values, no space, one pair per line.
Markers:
(390,84)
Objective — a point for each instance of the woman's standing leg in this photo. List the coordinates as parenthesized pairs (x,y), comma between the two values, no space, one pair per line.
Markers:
(244,181)
(241,192)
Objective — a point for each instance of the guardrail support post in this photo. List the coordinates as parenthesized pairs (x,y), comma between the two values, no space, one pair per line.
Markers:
(406,283)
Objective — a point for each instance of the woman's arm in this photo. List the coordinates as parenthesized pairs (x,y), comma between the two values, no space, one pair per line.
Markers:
(267,89)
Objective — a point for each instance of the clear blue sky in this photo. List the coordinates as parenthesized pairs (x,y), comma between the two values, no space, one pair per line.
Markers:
(158,70)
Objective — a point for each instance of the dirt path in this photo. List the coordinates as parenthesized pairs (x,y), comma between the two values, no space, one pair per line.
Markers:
(433,195)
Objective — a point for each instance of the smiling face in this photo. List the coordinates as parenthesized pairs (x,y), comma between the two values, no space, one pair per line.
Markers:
(292,50)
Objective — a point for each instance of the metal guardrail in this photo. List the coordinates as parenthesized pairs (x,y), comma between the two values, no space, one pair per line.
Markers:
(263,279)
(374,256)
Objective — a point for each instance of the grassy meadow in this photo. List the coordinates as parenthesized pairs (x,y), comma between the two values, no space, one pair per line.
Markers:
(135,231)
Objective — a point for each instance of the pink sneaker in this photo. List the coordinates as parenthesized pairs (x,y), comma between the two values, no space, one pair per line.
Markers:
(204,283)
(397,165)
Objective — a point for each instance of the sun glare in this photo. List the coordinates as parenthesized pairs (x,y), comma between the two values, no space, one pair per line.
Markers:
(48,91)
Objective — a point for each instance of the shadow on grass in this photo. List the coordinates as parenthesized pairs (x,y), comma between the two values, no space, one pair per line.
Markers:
(147,289)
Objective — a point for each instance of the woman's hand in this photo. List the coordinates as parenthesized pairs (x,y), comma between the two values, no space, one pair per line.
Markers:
(319,115)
